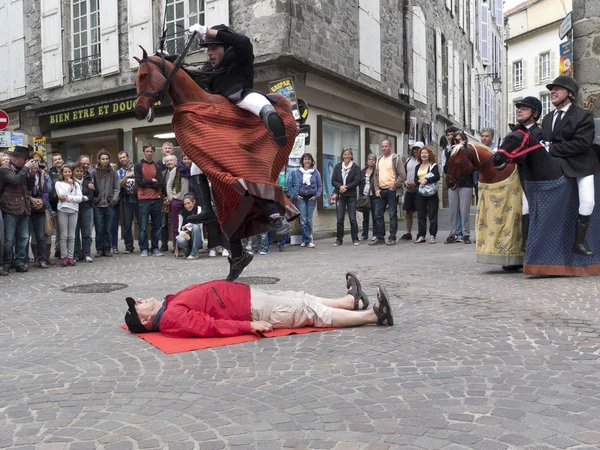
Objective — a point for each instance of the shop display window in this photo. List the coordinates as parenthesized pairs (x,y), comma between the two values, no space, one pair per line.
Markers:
(373,142)
(157,138)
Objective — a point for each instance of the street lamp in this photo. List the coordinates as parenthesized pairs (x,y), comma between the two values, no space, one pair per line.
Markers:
(496,81)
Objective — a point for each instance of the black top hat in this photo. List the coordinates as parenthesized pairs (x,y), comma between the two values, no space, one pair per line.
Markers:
(19,150)
(132,319)
(207,41)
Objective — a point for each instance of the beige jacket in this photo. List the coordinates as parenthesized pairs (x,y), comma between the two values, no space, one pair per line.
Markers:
(398,171)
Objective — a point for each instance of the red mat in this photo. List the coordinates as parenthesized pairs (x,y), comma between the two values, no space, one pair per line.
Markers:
(177,345)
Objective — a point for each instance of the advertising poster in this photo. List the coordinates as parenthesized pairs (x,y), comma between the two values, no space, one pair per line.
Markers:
(329,162)
(426,133)
(17,138)
(5,141)
(566,58)
(412,131)
(285,87)
(39,146)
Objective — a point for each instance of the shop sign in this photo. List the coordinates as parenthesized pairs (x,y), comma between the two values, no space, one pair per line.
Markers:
(14,120)
(93,112)
(17,138)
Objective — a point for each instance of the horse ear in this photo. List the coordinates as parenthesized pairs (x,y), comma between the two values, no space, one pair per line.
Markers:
(145,54)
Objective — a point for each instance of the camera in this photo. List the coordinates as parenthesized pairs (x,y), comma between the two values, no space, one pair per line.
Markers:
(42,165)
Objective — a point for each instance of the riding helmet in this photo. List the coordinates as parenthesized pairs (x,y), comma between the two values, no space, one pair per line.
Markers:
(532,103)
(207,41)
(569,83)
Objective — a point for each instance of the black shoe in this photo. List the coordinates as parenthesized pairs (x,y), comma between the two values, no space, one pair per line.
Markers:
(512,268)
(281,227)
(22,268)
(583,222)
(377,242)
(451,239)
(406,237)
(237,265)
(274,123)
(466,239)
(391,241)
(4,271)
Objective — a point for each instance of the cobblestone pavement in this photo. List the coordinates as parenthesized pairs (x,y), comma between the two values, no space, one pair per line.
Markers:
(477,359)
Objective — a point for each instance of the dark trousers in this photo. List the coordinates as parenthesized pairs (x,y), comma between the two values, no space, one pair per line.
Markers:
(130,210)
(2,237)
(427,208)
(341,205)
(114,228)
(38,228)
(390,199)
(366,216)
(149,209)
(164,231)
(83,233)
(103,217)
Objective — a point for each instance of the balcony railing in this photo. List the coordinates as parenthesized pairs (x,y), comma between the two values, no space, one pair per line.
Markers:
(83,68)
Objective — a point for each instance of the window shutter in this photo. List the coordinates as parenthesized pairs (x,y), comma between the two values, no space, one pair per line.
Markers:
(472,20)
(465,97)
(216,12)
(484,31)
(52,52)
(450,78)
(4,52)
(500,13)
(419,55)
(369,38)
(552,64)
(536,70)
(449,4)
(460,13)
(16,48)
(109,36)
(457,87)
(473,102)
(438,68)
(525,81)
(452,5)
(510,71)
(140,28)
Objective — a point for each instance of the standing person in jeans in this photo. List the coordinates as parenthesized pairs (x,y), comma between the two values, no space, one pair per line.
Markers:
(106,182)
(345,180)
(148,179)
(38,185)
(128,196)
(167,151)
(311,188)
(366,189)
(410,196)
(85,218)
(57,163)
(389,179)
(69,196)
(290,189)
(427,172)
(177,188)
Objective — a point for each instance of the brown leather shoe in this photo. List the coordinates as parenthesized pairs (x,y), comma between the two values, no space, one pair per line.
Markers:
(108,253)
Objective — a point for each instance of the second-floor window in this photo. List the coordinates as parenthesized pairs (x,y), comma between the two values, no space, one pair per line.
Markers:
(518,75)
(181,14)
(545,67)
(546,105)
(86,39)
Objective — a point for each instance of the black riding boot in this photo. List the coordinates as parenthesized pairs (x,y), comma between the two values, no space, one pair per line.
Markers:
(525,230)
(274,124)
(207,215)
(583,223)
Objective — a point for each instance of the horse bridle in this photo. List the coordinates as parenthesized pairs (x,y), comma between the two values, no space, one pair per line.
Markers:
(520,151)
(162,65)
(470,158)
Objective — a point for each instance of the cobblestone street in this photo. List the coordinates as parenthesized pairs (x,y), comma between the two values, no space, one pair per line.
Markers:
(477,358)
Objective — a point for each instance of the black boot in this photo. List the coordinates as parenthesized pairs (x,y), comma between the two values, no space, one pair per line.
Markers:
(583,223)
(207,215)
(525,230)
(274,124)
(237,265)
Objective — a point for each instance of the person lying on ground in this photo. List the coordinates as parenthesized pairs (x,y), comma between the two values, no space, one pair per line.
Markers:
(224,308)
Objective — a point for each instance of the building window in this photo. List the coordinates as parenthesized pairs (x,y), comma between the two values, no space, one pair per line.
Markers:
(518,75)
(419,55)
(86,39)
(546,105)
(181,14)
(545,67)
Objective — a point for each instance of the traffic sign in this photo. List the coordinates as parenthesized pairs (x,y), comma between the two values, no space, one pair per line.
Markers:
(3,120)
(565,27)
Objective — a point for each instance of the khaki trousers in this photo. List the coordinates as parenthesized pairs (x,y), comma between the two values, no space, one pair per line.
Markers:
(289,309)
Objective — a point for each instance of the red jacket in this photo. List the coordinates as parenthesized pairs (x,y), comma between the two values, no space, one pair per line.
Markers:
(216,308)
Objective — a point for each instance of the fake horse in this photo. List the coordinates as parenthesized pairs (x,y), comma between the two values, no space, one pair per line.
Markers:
(553,204)
(231,146)
(499,238)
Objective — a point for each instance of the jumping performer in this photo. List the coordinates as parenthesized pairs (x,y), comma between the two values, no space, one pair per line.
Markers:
(568,132)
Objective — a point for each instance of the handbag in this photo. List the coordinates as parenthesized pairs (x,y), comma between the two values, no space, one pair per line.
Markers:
(332,198)
(48,225)
(428,190)
(363,204)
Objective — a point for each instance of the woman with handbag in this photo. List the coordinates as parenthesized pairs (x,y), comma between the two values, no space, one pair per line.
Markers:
(345,180)
(38,185)
(311,188)
(366,196)
(427,175)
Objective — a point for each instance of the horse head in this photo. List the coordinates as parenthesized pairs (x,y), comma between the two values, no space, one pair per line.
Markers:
(512,143)
(150,84)
(459,164)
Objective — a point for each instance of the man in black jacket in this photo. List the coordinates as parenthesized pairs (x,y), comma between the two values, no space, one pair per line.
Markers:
(231,71)
(568,132)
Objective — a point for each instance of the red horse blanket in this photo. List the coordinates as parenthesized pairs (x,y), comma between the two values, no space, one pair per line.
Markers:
(240,158)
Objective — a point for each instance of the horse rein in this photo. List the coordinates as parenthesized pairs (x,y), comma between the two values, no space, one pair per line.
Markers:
(520,151)
(158,95)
